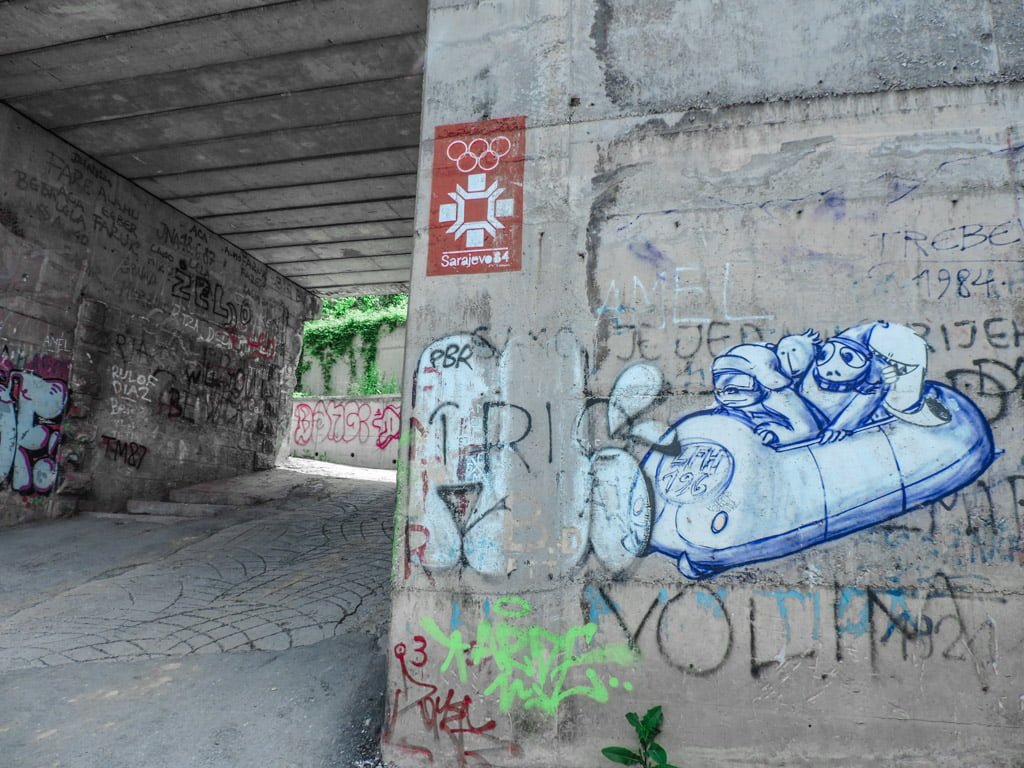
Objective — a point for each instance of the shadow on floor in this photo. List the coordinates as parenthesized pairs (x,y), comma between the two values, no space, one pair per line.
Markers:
(254,638)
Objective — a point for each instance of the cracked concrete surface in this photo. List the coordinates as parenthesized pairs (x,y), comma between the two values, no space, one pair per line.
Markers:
(188,617)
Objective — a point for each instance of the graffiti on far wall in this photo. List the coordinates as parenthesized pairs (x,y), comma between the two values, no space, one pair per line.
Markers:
(344,421)
(388,423)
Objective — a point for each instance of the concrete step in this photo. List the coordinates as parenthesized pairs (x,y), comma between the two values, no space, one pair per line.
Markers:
(229,496)
(251,489)
(143,519)
(178,509)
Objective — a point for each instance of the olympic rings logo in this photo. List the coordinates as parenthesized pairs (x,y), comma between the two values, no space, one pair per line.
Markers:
(478,153)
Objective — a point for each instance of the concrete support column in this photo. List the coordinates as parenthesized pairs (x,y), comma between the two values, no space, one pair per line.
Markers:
(736,427)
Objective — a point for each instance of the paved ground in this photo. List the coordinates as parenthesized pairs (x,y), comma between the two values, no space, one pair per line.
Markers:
(252,639)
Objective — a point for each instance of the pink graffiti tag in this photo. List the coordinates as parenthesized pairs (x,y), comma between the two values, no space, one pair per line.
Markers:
(304,428)
(388,422)
(46,366)
(351,422)
(343,421)
(30,411)
(261,347)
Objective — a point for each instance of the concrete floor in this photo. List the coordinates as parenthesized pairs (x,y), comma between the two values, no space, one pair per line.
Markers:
(255,638)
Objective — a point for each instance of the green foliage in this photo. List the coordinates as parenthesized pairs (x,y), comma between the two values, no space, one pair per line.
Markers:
(373,382)
(651,754)
(342,322)
(302,368)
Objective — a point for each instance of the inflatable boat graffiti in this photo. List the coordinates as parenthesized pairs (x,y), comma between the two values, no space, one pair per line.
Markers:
(808,441)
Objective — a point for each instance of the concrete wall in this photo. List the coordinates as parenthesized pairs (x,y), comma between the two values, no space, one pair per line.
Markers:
(817,574)
(390,358)
(360,432)
(140,351)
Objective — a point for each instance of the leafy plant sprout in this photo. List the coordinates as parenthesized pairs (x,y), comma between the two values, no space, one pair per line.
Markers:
(651,754)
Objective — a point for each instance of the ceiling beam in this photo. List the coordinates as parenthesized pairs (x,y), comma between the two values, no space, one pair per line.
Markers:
(346,266)
(332,251)
(353,278)
(369,210)
(323,106)
(303,195)
(291,72)
(362,289)
(266,175)
(29,24)
(245,34)
(364,230)
(338,138)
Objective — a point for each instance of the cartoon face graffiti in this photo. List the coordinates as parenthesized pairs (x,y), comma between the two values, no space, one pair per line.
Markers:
(751,386)
(796,353)
(839,361)
(737,390)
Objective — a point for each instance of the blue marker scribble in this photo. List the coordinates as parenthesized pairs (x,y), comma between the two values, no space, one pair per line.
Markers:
(596,602)
(646,251)
(707,602)
(858,626)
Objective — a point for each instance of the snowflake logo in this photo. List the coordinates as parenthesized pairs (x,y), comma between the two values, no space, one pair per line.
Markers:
(475,469)
(477,208)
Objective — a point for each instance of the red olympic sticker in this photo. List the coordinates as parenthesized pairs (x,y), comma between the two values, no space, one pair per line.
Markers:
(476,199)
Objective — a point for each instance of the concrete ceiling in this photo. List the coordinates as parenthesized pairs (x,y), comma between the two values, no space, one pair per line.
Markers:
(290,127)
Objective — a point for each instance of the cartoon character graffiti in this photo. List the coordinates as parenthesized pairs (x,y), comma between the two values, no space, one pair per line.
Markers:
(809,441)
(751,387)
(30,411)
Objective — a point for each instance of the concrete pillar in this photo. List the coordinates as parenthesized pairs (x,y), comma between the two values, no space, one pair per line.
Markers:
(713,386)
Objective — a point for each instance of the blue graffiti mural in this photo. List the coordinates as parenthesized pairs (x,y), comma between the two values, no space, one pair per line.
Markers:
(31,409)
(808,440)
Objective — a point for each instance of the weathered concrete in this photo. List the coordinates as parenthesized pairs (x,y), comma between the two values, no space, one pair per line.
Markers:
(680,201)
(140,351)
(390,359)
(317,706)
(258,635)
(304,109)
(177,509)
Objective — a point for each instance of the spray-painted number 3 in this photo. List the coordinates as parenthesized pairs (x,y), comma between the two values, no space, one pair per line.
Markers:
(419,649)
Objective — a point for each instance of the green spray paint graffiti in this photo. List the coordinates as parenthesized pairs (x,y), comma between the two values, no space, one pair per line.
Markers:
(533,663)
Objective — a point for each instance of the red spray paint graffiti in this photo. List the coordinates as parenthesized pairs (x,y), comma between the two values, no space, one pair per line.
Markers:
(260,347)
(388,422)
(46,366)
(344,421)
(439,713)
(417,551)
